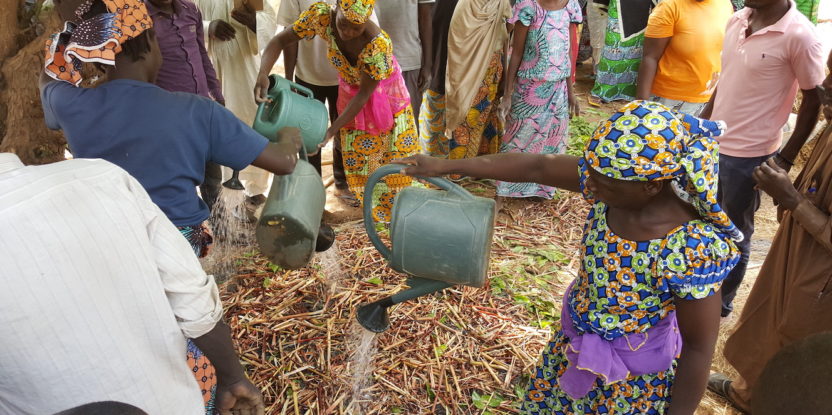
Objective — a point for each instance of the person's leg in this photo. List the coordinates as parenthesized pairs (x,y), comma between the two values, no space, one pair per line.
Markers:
(337,156)
(411,81)
(740,200)
(210,187)
(597,21)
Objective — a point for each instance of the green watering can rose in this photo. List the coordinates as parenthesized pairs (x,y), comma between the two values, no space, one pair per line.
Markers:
(438,237)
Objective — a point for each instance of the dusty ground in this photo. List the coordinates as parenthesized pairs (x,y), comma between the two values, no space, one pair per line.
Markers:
(544,229)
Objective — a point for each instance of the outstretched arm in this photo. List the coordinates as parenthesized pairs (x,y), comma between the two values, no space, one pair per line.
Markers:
(557,170)
(280,157)
(699,326)
(290,61)
(270,54)
(365,90)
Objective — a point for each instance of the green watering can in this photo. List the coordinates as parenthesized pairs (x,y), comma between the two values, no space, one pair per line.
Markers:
(292,105)
(439,238)
(289,231)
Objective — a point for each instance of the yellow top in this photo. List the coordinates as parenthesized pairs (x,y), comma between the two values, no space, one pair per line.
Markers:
(376,58)
(690,66)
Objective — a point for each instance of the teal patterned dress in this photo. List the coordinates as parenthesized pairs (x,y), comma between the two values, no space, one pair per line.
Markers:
(623,288)
(622,304)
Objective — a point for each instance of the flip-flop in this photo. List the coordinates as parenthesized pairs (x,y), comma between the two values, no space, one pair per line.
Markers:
(347,198)
(593,101)
(721,385)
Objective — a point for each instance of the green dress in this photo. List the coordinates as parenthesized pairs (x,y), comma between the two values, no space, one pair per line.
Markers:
(618,67)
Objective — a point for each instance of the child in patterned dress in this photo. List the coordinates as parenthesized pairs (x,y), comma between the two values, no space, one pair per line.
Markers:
(540,79)
(639,323)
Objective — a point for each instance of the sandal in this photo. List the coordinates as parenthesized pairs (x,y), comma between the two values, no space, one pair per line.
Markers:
(593,101)
(721,385)
(347,197)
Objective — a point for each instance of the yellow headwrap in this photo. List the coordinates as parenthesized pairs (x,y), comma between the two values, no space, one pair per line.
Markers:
(357,11)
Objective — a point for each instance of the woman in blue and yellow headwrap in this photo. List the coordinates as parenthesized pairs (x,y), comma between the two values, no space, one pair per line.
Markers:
(375,120)
(639,323)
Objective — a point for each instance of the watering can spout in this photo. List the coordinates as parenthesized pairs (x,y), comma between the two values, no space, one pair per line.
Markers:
(234,182)
(373,316)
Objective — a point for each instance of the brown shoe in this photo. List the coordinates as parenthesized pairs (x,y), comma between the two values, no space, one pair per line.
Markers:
(721,385)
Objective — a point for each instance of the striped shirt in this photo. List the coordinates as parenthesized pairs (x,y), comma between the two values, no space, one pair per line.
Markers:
(100,291)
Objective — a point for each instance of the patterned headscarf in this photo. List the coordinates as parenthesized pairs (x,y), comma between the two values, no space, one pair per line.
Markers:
(646,141)
(357,11)
(97,39)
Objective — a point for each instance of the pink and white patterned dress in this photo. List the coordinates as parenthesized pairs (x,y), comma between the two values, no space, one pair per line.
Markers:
(539,118)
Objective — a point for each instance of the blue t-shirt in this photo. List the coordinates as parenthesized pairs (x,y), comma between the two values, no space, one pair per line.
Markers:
(161,138)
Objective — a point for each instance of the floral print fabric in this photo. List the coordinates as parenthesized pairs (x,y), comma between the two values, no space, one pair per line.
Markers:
(364,151)
(645,140)
(479,132)
(617,70)
(97,39)
(626,287)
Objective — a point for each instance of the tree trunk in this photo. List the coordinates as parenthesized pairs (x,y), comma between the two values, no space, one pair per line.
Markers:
(8,28)
(22,127)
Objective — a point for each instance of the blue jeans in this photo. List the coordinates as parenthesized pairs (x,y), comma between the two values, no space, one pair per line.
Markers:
(740,201)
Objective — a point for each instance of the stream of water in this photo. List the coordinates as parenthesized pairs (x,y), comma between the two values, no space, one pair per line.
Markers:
(334,274)
(363,344)
(233,235)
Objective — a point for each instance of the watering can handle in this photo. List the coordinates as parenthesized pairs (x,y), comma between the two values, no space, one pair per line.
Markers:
(275,82)
(386,170)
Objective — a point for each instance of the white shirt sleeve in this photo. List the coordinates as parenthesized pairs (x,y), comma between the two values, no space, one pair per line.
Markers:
(193,295)
(266,26)
(288,12)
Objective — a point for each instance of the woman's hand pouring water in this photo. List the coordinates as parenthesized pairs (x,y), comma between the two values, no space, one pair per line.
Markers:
(330,133)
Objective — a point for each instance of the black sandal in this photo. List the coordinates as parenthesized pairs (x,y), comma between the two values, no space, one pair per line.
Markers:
(347,197)
(721,385)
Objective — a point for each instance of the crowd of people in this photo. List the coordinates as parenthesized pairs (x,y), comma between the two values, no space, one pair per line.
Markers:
(108,310)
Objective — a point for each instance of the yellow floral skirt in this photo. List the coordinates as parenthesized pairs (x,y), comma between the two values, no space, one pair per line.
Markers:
(364,153)
(480,133)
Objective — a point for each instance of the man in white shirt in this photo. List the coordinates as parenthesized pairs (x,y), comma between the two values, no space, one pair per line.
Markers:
(408,22)
(100,292)
(231,39)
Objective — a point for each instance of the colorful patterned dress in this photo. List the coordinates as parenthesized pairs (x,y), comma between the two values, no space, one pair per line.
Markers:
(539,118)
(480,132)
(368,148)
(617,70)
(624,288)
